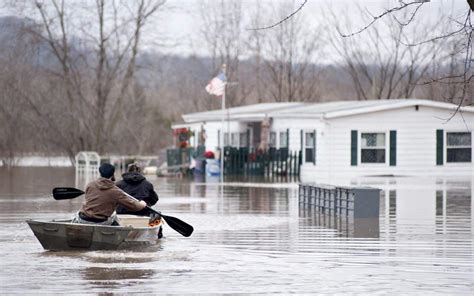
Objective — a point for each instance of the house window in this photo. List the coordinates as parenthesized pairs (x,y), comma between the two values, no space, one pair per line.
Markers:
(458,147)
(283,140)
(243,140)
(309,147)
(234,140)
(373,146)
(273,140)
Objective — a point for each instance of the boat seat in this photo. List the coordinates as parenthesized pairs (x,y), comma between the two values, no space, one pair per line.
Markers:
(132,220)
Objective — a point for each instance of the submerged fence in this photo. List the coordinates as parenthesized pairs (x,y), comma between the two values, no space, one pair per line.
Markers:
(273,162)
(356,207)
(243,161)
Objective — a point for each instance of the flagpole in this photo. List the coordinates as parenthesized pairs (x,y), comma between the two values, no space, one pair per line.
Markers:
(223,126)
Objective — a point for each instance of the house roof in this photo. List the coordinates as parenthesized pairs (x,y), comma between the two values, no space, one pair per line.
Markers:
(315,110)
(249,112)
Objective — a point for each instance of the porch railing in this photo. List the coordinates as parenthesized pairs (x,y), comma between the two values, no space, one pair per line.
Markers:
(250,161)
(242,161)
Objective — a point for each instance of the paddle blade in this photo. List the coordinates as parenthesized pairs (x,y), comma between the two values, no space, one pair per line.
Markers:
(180,226)
(60,193)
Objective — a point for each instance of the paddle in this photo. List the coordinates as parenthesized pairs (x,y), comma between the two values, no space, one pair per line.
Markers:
(66,193)
(180,226)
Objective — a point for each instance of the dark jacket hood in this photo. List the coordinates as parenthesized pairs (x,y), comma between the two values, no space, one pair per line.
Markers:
(133,178)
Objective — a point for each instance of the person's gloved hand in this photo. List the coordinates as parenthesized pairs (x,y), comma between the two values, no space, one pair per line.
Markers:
(155,219)
(155,216)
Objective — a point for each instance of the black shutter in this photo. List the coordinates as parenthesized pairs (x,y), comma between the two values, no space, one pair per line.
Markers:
(314,148)
(302,142)
(393,148)
(439,147)
(288,139)
(353,148)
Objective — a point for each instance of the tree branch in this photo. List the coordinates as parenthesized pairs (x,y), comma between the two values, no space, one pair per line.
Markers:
(387,12)
(283,20)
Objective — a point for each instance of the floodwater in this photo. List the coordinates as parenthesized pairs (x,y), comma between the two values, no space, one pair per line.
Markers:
(249,238)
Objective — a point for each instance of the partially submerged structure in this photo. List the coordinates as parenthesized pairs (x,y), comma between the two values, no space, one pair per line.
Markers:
(347,138)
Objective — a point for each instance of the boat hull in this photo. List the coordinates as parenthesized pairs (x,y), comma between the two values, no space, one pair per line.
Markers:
(62,235)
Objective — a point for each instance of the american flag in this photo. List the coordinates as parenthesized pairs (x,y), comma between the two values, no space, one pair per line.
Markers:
(217,85)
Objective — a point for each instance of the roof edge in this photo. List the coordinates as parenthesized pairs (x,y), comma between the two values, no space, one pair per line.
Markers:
(398,105)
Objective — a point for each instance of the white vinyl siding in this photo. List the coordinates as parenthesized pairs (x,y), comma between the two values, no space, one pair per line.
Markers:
(416,141)
(416,145)
(226,139)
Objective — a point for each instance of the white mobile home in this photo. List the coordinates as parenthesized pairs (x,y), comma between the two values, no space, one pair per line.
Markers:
(350,138)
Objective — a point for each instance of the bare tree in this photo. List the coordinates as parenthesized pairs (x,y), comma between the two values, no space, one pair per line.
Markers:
(223,32)
(93,68)
(380,65)
(20,132)
(291,50)
(462,27)
(254,44)
(256,27)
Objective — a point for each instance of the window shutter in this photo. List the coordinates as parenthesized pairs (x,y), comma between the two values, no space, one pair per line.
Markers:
(314,148)
(353,148)
(303,149)
(439,147)
(302,135)
(288,139)
(393,148)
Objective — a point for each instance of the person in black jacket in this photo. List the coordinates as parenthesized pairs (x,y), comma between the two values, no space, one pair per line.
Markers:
(135,184)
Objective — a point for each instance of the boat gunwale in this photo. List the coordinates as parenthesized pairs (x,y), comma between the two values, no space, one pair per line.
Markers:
(68,222)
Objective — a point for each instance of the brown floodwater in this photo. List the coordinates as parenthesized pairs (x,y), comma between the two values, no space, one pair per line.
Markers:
(249,237)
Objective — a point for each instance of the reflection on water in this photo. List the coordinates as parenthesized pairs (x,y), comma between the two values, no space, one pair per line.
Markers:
(251,238)
(114,277)
(33,181)
(345,226)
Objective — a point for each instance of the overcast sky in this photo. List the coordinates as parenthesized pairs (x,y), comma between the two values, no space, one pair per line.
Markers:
(176,28)
(179,24)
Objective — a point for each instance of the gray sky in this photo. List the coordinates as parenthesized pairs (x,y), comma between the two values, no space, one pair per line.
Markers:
(180,23)
(177,27)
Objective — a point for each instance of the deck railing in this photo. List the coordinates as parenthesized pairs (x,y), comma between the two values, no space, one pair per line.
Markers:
(250,161)
(243,161)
